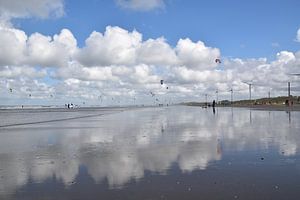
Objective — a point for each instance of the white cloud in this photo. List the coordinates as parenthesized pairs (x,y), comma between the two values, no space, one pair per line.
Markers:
(143,74)
(298,35)
(36,50)
(196,55)
(31,8)
(115,46)
(67,40)
(285,57)
(141,5)
(78,71)
(13,46)
(119,63)
(45,51)
(8,72)
(156,52)
(193,76)
(275,44)
(120,47)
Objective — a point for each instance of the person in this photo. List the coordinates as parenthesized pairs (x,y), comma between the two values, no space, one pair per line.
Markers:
(287,102)
(213,103)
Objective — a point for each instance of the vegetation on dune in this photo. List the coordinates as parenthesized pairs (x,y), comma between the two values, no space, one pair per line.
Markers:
(281,100)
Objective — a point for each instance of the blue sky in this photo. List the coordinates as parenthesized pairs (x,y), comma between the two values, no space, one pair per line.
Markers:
(239,28)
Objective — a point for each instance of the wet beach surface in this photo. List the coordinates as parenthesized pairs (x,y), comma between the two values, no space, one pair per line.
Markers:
(176,152)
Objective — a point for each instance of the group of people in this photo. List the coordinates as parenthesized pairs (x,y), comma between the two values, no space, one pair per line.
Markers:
(289,102)
(69,106)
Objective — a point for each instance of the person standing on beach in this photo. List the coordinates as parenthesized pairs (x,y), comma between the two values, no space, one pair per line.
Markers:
(213,106)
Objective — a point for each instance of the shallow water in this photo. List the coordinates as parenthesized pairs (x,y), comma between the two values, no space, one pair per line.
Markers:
(150,153)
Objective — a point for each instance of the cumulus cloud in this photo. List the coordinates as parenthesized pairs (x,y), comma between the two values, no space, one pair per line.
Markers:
(119,63)
(47,51)
(196,55)
(142,74)
(298,35)
(285,57)
(156,52)
(192,76)
(141,5)
(78,71)
(13,46)
(31,8)
(115,46)
(25,71)
(37,49)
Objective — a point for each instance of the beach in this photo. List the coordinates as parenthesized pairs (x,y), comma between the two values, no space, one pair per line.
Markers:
(175,152)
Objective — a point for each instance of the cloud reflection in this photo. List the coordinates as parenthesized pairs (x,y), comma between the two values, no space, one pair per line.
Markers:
(119,148)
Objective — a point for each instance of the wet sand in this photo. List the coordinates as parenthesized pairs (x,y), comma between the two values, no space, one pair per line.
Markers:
(176,152)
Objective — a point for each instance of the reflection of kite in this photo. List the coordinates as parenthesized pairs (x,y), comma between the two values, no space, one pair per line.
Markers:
(219,148)
(29,92)
(100,98)
(218,60)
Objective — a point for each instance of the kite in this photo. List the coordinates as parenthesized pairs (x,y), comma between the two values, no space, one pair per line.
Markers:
(152,94)
(218,60)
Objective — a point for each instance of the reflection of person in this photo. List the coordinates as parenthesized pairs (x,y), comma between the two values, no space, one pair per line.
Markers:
(214,110)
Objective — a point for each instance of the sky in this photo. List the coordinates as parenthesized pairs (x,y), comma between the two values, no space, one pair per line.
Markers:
(115,52)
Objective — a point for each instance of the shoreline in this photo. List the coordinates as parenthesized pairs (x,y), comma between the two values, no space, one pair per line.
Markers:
(268,107)
(260,107)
